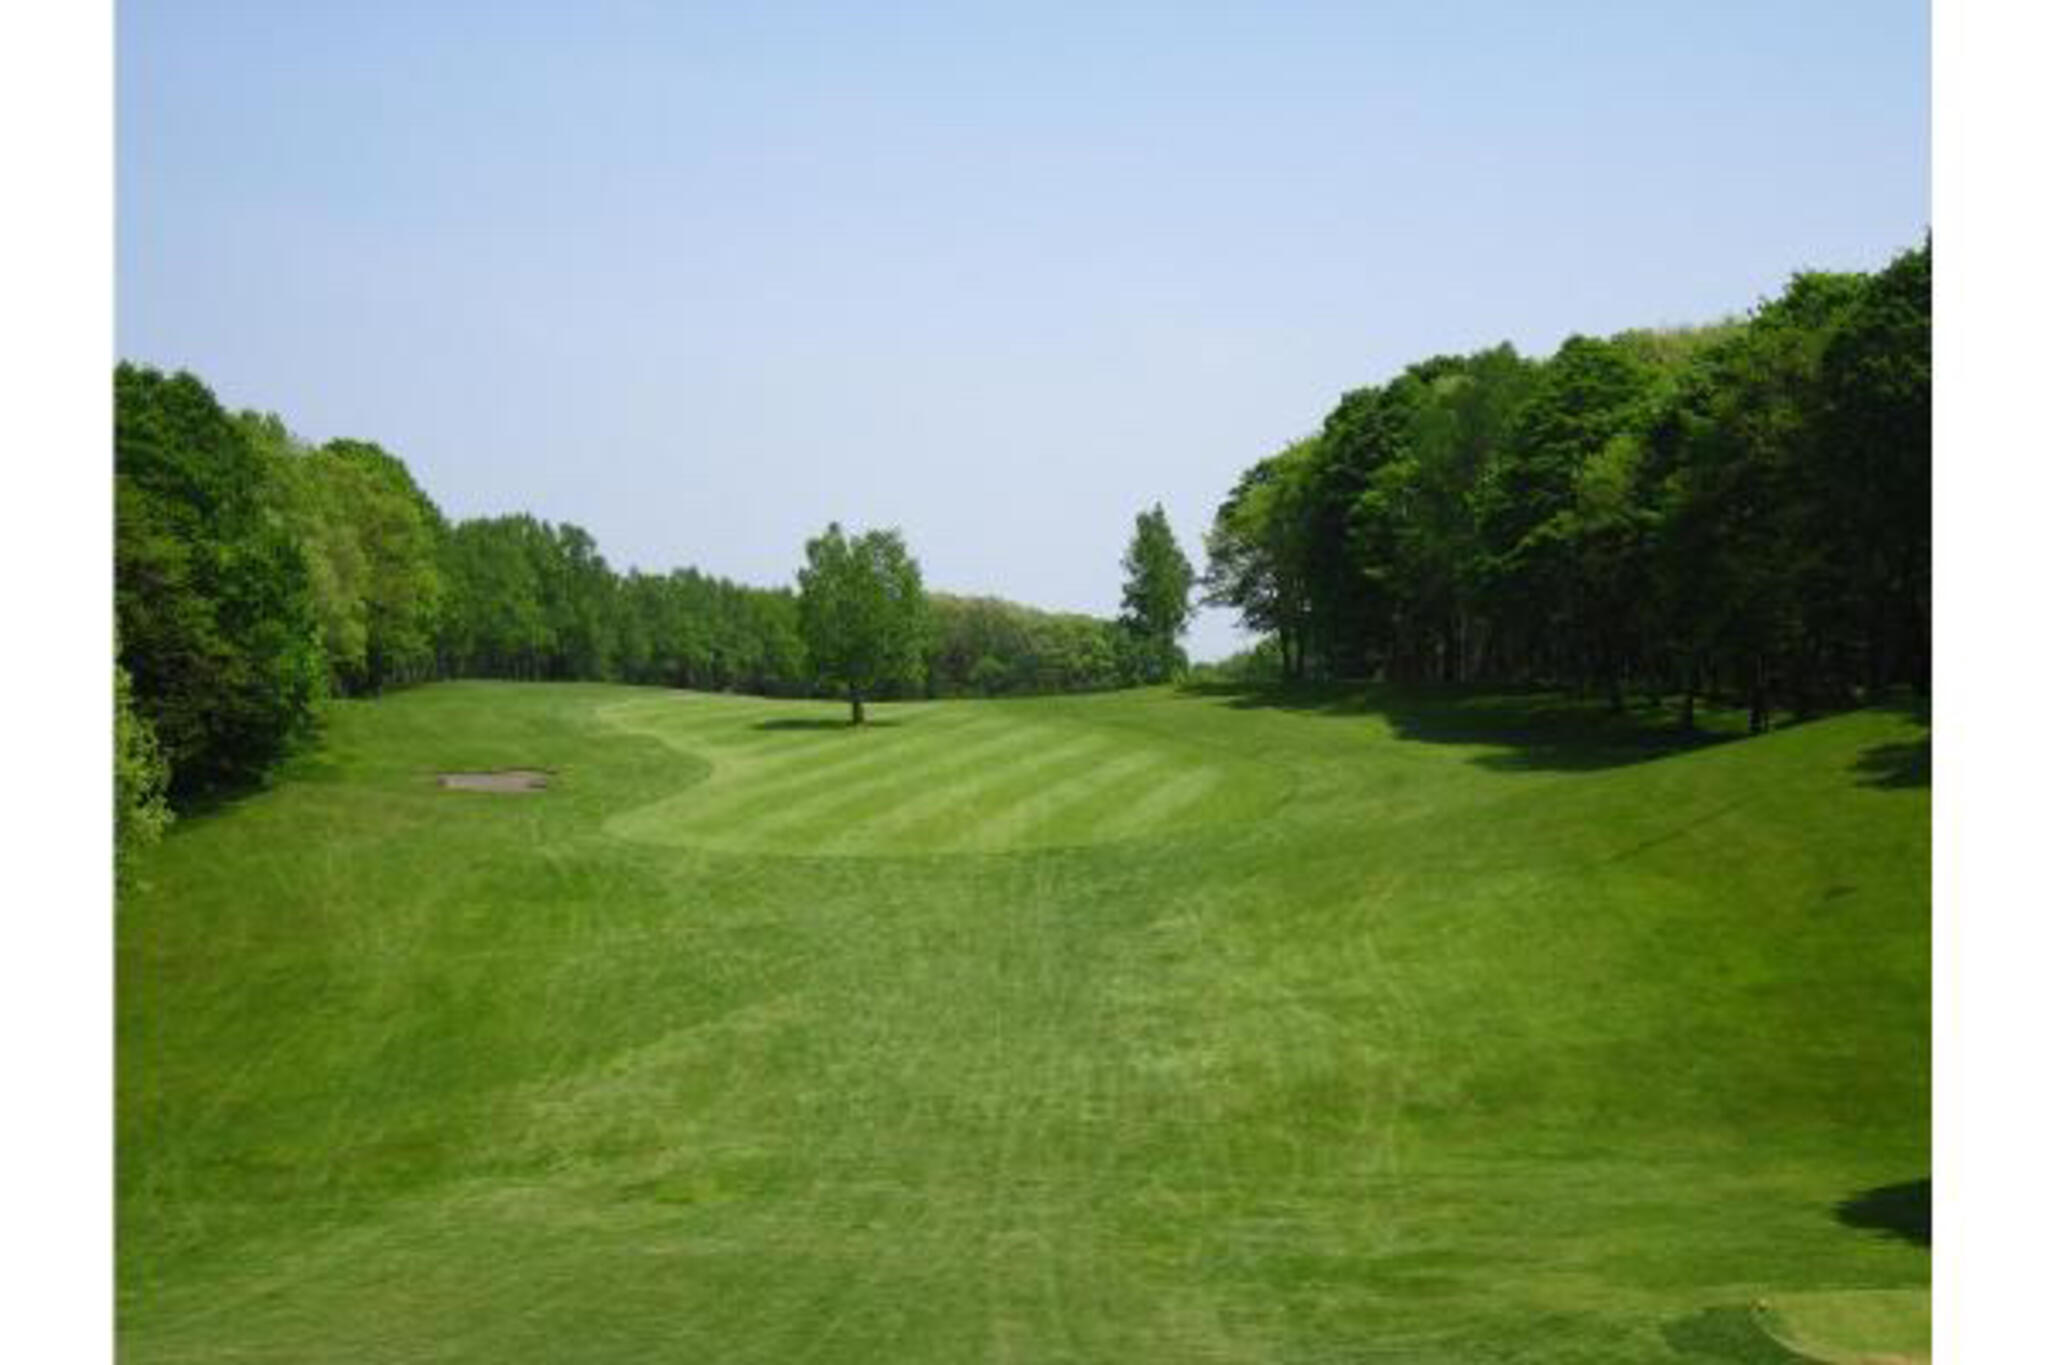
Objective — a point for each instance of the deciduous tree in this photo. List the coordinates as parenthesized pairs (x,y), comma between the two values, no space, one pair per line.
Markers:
(1156,607)
(862,608)
(212,596)
(140,780)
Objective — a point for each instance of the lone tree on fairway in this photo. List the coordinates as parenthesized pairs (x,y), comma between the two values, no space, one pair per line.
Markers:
(1157,579)
(862,611)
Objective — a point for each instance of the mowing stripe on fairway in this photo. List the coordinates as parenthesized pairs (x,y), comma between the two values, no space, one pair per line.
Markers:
(817,818)
(735,791)
(738,804)
(802,796)
(954,779)
(1008,821)
(1164,804)
(766,783)
(922,822)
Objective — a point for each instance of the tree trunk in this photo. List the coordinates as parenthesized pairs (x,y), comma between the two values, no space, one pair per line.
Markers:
(1802,691)
(1759,700)
(860,715)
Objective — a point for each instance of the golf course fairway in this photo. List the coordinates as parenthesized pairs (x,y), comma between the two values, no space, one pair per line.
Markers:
(1148,1026)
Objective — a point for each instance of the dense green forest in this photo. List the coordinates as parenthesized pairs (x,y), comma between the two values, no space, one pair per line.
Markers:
(1738,511)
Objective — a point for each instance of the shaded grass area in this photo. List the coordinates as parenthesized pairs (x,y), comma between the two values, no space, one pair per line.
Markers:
(1526,730)
(1728,1333)
(1904,1210)
(1903,763)
(1403,1053)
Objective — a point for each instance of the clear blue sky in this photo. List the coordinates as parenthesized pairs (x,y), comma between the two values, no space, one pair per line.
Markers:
(701,279)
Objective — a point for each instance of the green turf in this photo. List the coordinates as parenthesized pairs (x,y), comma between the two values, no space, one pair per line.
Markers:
(929,778)
(1154,1026)
(1853,1327)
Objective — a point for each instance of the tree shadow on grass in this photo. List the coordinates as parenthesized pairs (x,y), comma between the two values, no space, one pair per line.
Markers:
(1729,1333)
(1530,730)
(1908,763)
(196,808)
(823,723)
(1904,1211)
(1726,1334)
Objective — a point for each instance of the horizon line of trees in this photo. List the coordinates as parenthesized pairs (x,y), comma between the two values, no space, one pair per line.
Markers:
(256,573)
(1738,512)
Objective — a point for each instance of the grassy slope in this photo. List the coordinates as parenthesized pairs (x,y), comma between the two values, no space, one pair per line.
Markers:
(1402,1032)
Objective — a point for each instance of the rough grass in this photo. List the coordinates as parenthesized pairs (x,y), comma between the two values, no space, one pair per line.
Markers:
(1347,1026)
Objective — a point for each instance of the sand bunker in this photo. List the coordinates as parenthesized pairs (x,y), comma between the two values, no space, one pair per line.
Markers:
(503,780)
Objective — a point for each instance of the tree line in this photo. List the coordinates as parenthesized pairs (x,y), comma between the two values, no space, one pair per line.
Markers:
(1737,512)
(257,573)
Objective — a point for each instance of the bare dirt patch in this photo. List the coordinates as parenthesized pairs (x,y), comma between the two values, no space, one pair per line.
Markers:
(500,780)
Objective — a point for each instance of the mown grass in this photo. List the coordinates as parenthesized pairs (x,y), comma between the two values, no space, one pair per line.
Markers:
(937,778)
(1853,1327)
(1350,1026)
